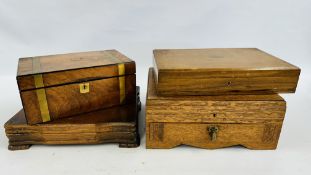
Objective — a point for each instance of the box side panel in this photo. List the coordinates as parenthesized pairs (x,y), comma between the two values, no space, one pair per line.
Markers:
(215,111)
(227,82)
(67,100)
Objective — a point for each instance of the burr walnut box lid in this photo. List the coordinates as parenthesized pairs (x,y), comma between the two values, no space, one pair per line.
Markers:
(72,67)
(222,71)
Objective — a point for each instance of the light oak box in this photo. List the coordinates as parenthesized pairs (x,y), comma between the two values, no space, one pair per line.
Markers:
(222,71)
(58,86)
(117,124)
(253,121)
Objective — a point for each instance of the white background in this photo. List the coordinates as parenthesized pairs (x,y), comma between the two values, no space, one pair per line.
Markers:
(279,27)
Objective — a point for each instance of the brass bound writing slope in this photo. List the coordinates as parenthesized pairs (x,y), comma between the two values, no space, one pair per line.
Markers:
(222,71)
(58,86)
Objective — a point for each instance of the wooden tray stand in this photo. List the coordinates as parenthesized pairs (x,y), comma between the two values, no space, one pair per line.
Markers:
(112,125)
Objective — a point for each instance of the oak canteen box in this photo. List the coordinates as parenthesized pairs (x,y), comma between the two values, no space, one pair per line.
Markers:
(222,71)
(58,86)
(118,124)
(253,121)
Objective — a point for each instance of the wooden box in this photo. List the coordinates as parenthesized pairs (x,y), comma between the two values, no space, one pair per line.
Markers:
(222,71)
(253,121)
(117,124)
(58,86)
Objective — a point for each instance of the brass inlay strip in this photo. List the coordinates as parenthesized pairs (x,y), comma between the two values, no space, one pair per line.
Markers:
(41,95)
(38,80)
(36,66)
(121,70)
(43,104)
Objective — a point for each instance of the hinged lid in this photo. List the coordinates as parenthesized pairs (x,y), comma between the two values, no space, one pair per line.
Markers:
(53,70)
(222,71)
(216,59)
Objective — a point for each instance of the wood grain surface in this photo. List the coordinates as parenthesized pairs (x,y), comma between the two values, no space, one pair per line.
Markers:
(117,125)
(65,101)
(70,68)
(222,71)
(244,119)
(252,136)
(50,85)
(71,61)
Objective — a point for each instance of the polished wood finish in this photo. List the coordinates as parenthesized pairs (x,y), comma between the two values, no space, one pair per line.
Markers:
(64,101)
(112,125)
(222,71)
(252,136)
(62,75)
(73,67)
(253,121)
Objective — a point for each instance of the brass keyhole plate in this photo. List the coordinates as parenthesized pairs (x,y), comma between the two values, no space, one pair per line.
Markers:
(212,131)
(84,88)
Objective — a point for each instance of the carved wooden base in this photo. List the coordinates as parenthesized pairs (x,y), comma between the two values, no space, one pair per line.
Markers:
(251,136)
(131,145)
(18,147)
(112,125)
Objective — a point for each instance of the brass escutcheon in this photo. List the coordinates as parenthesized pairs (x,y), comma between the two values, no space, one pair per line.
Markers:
(84,88)
(212,131)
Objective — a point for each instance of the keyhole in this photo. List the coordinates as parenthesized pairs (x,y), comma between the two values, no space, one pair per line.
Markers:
(228,83)
(213,132)
(214,115)
(84,88)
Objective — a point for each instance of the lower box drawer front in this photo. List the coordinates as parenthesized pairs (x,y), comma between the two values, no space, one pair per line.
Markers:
(252,136)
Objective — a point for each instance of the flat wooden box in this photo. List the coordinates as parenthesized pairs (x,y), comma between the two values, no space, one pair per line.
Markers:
(253,121)
(222,71)
(111,125)
(57,86)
